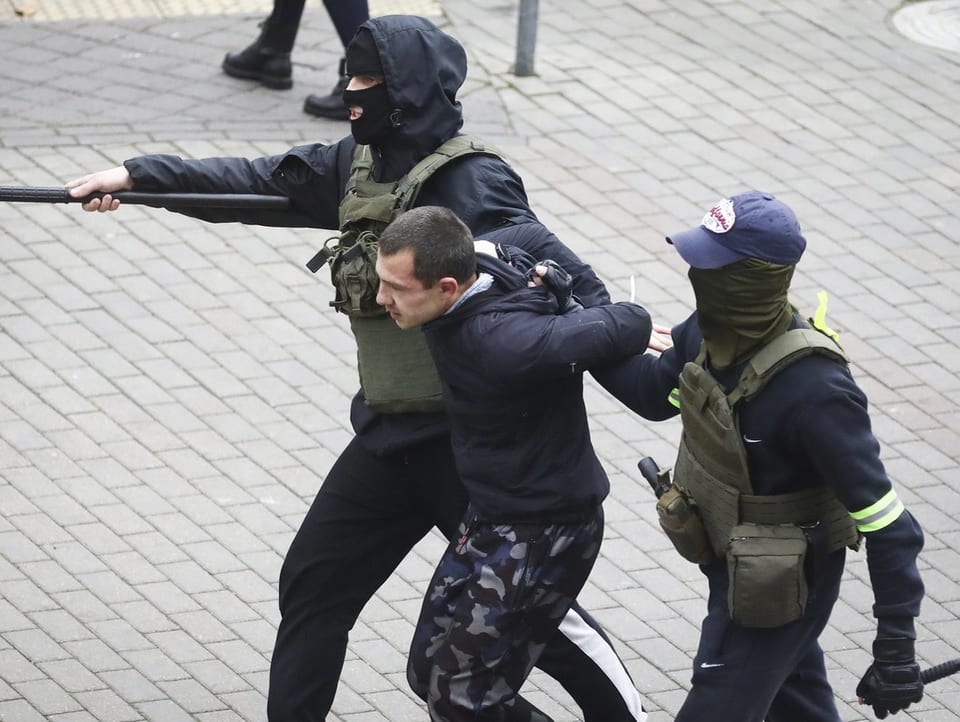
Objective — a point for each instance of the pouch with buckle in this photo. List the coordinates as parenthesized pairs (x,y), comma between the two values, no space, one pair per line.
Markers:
(765,565)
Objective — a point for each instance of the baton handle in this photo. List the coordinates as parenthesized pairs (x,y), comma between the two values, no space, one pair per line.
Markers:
(651,472)
(40,194)
(939,671)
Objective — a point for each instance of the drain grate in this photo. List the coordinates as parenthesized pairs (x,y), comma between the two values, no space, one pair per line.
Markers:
(930,22)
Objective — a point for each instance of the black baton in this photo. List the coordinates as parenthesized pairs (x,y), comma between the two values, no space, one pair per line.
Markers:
(939,671)
(39,194)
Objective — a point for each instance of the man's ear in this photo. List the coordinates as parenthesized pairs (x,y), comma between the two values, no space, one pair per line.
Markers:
(448,286)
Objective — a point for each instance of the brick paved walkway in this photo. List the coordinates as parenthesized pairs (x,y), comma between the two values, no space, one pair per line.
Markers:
(172,393)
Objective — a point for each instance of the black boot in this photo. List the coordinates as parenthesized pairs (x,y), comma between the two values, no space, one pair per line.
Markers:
(330,106)
(261,62)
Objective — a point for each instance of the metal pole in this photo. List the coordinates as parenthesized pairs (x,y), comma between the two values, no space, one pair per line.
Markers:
(526,36)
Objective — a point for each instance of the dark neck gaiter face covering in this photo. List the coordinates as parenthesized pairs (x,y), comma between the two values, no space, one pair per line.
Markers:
(375,126)
(741,308)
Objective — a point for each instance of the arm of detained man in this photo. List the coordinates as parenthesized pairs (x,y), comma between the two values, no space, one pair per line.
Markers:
(534,347)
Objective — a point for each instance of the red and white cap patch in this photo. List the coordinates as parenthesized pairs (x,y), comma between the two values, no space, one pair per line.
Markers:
(720,218)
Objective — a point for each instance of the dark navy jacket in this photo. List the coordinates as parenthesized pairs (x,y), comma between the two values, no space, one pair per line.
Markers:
(512,374)
(424,69)
(809,426)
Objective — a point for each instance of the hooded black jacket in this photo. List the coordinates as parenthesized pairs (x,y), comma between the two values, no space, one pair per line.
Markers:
(423,67)
(512,375)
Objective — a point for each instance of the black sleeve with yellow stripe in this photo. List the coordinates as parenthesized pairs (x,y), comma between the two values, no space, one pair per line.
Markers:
(816,428)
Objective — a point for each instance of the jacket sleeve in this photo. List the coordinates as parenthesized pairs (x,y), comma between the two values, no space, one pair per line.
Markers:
(524,348)
(484,192)
(646,383)
(834,431)
(313,177)
(539,244)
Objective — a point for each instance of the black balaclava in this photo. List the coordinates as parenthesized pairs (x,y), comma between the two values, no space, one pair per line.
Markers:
(376,124)
(741,307)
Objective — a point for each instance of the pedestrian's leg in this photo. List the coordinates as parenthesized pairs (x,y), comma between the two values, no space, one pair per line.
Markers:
(362,523)
(267,59)
(347,16)
(582,659)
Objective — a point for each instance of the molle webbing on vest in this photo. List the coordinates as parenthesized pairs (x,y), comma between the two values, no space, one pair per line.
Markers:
(397,373)
(712,467)
(722,507)
(717,503)
(710,427)
(819,504)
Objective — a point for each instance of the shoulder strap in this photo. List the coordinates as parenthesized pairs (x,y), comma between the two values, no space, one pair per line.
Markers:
(361,166)
(780,353)
(409,186)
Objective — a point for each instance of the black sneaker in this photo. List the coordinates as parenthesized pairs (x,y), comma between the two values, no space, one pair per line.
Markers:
(272,69)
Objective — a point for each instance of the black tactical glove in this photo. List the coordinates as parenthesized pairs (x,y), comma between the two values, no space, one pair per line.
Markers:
(892,682)
(559,283)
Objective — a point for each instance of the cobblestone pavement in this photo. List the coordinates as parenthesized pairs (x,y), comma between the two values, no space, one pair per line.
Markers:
(172,393)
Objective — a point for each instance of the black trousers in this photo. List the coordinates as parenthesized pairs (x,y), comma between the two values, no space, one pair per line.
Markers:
(777,675)
(284,21)
(370,511)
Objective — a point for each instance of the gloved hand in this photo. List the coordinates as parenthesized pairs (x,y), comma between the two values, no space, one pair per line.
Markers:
(558,282)
(892,682)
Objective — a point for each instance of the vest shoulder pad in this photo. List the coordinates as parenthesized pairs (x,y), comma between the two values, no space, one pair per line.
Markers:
(780,353)
(458,146)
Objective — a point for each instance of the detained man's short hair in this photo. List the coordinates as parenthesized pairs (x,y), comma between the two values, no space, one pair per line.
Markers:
(442,244)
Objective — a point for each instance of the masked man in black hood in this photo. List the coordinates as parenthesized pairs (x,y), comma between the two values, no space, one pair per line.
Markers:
(396,478)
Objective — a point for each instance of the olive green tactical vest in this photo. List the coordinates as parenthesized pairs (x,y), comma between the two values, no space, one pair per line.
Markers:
(712,462)
(397,373)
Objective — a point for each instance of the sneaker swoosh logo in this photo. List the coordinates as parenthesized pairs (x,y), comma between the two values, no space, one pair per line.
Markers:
(751,441)
(709,665)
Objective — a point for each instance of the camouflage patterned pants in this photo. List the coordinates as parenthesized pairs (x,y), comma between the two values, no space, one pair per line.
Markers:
(498,594)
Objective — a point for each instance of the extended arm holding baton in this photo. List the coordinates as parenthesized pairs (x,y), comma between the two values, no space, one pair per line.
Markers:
(39,194)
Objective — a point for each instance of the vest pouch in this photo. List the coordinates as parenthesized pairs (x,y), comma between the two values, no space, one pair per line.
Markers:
(765,566)
(681,522)
(354,276)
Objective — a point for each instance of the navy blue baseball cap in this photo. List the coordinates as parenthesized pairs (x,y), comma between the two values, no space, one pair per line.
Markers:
(749,225)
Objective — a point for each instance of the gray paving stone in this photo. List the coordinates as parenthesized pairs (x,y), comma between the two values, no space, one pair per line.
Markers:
(47,697)
(20,709)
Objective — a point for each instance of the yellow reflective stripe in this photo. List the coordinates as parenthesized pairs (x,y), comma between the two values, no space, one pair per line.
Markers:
(878,515)
(674,398)
(820,317)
